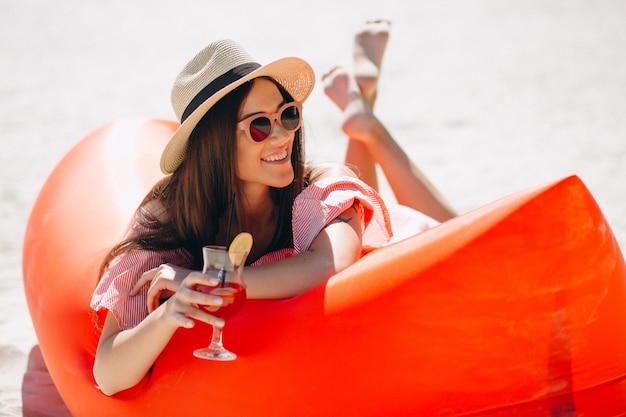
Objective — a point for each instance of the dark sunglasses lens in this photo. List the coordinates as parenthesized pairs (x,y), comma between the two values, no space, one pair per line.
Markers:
(260,129)
(290,118)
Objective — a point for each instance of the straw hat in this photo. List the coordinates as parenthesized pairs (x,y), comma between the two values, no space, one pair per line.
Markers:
(214,72)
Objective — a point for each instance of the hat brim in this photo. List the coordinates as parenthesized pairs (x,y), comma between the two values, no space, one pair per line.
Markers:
(294,74)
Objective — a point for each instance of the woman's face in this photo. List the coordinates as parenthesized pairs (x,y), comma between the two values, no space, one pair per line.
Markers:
(267,163)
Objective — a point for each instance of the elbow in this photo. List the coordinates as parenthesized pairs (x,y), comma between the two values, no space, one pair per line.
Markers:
(108,380)
(334,265)
(102,382)
(345,260)
(107,392)
(103,379)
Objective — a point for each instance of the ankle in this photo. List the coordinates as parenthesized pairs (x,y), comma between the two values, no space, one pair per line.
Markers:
(360,125)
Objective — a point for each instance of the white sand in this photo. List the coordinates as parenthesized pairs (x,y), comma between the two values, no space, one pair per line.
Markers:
(488,96)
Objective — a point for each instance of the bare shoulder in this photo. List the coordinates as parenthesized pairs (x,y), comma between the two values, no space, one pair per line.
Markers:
(326,170)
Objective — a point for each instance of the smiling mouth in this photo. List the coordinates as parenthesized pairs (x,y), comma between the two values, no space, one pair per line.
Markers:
(275,157)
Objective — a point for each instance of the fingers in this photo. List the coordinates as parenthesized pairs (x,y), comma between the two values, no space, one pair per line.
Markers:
(156,297)
(198,278)
(145,278)
(183,321)
(154,275)
(187,303)
(164,281)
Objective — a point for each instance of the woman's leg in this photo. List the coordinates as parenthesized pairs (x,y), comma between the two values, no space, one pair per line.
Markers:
(369,141)
(410,186)
(370,42)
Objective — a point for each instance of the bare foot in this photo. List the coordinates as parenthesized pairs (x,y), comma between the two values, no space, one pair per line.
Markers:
(335,83)
(370,42)
(359,121)
(344,91)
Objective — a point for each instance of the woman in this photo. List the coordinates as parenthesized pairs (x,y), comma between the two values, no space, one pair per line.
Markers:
(240,135)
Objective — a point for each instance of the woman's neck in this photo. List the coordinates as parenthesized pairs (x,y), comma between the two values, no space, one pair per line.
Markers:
(258,218)
(259,213)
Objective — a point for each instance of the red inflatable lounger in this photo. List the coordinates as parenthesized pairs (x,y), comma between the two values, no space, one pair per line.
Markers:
(516,308)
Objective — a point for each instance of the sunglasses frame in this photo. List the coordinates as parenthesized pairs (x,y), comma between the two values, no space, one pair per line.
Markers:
(244,124)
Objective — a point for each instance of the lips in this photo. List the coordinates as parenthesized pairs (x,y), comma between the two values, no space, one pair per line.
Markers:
(275,157)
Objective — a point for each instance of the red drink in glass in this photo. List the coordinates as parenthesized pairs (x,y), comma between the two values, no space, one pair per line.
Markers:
(233,295)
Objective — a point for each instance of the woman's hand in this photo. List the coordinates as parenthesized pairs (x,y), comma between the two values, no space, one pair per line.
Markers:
(135,350)
(174,286)
(164,281)
(184,304)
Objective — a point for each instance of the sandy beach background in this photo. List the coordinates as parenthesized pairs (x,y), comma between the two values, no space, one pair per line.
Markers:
(488,96)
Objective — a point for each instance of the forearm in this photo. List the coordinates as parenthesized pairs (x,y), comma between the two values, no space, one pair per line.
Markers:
(286,278)
(124,358)
(336,247)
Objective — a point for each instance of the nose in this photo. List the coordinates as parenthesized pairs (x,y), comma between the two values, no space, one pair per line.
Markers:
(280,135)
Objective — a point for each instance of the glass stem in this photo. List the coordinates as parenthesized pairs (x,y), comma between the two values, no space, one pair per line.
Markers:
(216,339)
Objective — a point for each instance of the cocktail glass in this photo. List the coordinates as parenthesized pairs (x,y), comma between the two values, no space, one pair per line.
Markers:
(228,266)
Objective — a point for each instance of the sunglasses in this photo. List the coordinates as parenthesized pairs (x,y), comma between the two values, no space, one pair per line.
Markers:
(259,126)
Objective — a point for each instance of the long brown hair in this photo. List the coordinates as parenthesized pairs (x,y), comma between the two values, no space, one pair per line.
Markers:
(198,193)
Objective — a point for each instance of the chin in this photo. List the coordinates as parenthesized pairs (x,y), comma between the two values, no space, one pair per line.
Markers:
(286,182)
(283,184)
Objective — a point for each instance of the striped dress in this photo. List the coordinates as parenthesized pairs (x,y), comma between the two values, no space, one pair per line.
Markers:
(319,204)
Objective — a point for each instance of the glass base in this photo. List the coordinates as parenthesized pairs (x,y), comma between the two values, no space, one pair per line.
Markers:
(214,354)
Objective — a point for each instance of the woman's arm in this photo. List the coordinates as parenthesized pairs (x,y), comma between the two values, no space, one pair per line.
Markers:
(336,247)
(124,356)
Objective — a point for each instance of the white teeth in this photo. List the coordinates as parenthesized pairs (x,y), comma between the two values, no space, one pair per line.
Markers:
(276,157)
